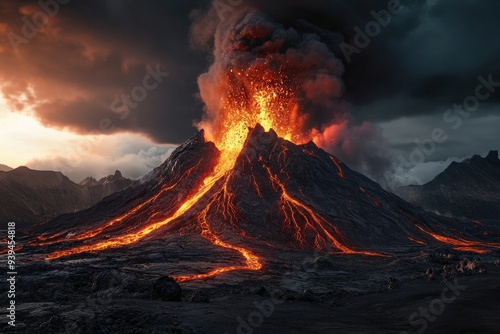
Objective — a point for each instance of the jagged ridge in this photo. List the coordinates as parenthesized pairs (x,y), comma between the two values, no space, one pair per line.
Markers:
(468,189)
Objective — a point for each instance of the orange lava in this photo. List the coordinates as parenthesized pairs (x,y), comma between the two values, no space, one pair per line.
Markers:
(463,244)
(96,231)
(472,250)
(375,202)
(262,96)
(252,262)
(133,237)
(295,212)
(337,164)
(417,241)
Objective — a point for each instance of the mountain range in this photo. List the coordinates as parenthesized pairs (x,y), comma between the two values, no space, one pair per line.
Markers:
(29,196)
(468,189)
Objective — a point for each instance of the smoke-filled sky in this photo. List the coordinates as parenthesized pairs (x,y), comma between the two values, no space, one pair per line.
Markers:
(65,85)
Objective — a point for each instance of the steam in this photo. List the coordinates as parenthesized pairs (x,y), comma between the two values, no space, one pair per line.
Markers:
(249,41)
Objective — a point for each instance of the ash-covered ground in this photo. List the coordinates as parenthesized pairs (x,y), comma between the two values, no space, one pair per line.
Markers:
(125,290)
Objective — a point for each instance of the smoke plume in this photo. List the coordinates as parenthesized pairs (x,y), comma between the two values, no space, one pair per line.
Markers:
(253,53)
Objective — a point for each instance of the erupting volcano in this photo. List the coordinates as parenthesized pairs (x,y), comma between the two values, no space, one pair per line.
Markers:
(272,194)
(255,180)
(267,217)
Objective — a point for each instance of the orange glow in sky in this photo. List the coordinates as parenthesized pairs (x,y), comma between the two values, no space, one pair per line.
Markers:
(24,141)
(23,138)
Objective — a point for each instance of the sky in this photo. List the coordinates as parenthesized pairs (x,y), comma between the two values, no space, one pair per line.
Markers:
(61,83)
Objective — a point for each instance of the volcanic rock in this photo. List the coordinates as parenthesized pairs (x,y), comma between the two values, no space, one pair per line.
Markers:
(291,218)
(166,288)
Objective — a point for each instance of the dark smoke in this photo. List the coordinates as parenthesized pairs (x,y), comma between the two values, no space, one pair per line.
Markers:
(305,54)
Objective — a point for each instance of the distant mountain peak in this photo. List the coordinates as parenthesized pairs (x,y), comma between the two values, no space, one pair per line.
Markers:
(470,188)
(22,168)
(492,156)
(89,181)
(5,168)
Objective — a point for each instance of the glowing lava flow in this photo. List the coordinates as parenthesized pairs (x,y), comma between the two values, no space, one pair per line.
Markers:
(337,164)
(375,202)
(417,241)
(462,244)
(98,230)
(229,212)
(131,238)
(292,209)
(252,261)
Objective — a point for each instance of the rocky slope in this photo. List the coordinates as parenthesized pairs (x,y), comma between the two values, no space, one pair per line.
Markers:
(468,189)
(29,196)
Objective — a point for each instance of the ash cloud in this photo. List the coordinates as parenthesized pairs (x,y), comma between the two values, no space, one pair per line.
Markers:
(249,40)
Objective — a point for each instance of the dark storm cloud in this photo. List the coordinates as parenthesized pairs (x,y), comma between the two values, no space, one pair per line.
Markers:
(91,52)
(439,57)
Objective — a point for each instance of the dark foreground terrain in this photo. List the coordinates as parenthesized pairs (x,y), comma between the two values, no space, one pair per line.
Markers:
(120,291)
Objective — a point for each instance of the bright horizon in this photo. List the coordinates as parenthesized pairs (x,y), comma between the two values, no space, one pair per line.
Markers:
(27,142)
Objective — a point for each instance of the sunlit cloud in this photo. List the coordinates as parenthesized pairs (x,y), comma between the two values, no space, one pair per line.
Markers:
(26,142)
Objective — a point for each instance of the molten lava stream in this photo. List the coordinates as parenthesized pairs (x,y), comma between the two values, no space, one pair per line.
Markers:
(252,260)
(375,202)
(225,163)
(337,164)
(291,208)
(96,231)
(417,241)
(462,244)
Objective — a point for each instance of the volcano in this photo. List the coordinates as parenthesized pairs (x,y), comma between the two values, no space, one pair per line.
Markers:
(275,195)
